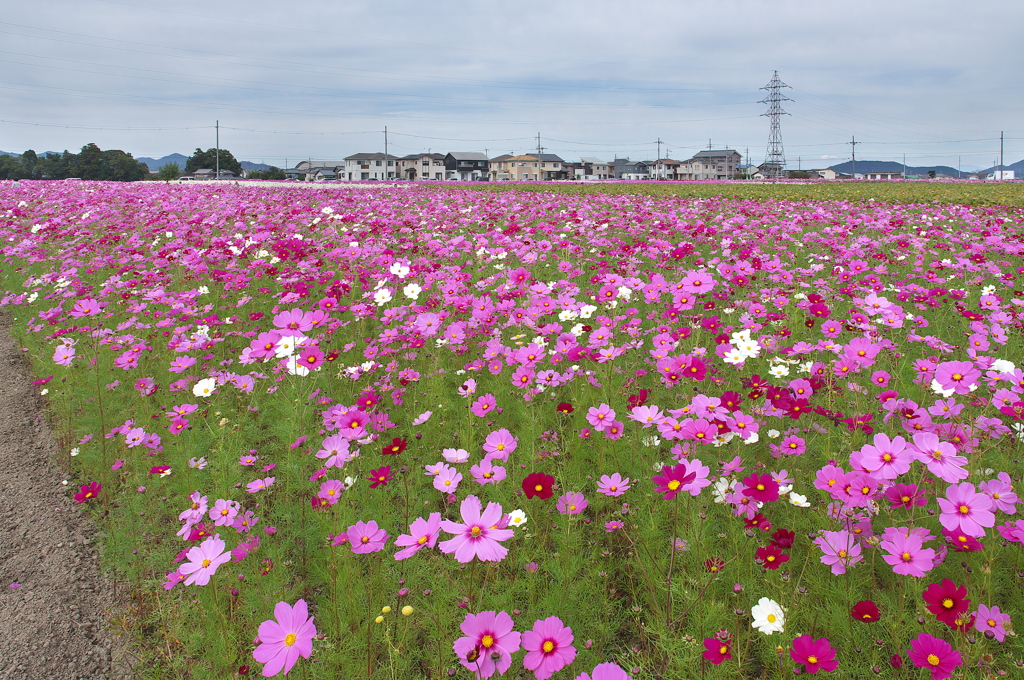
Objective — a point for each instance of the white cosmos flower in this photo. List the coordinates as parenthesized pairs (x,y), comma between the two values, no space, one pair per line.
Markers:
(516,518)
(399,270)
(412,291)
(382,296)
(779,371)
(799,500)
(586,311)
(768,616)
(286,346)
(734,357)
(296,368)
(204,387)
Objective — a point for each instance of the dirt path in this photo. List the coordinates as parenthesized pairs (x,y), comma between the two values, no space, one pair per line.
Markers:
(54,604)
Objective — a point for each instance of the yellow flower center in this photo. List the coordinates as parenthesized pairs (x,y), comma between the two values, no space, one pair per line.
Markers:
(613,488)
(723,649)
(487,641)
(812,659)
(500,447)
(538,488)
(964,510)
(475,531)
(289,639)
(673,485)
(842,554)
(572,508)
(548,646)
(771,618)
(887,458)
(933,660)
(906,557)
(948,603)
(422,540)
(365,539)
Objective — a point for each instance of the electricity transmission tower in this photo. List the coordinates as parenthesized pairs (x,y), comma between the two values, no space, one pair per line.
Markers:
(775,157)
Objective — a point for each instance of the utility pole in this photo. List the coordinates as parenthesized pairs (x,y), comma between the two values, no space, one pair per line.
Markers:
(540,149)
(1001,155)
(775,161)
(385,152)
(800,163)
(657,160)
(958,167)
(853,146)
(218,151)
(904,166)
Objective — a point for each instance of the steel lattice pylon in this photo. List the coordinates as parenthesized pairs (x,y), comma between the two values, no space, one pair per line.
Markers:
(775,158)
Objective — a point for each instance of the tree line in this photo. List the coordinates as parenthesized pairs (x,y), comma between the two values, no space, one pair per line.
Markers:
(90,163)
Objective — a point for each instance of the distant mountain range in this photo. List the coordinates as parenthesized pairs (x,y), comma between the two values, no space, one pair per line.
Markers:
(892,166)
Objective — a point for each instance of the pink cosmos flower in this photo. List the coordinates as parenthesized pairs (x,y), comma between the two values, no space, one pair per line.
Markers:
(331,491)
(966,510)
(572,503)
(907,554)
(223,512)
(486,635)
(673,480)
(484,406)
(485,472)
(204,560)
(499,444)
(1001,492)
(476,537)
(548,647)
(259,484)
(840,549)
(63,355)
(814,654)
(938,656)
(613,485)
(335,449)
(886,457)
(958,376)
(600,416)
(365,537)
(283,641)
(423,533)
(991,619)
(606,671)
(447,479)
(939,457)
(455,455)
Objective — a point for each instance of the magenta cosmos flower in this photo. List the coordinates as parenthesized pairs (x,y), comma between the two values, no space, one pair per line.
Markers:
(423,533)
(761,488)
(365,537)
(88,491)
(938,656)
(548,647)
(814,654)
(966,510)
(673,480)
(483,406)
(477,535)
(487,634)
(283,641)
(203,561)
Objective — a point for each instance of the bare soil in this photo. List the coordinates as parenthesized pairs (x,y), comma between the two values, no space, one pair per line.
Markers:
(55,605)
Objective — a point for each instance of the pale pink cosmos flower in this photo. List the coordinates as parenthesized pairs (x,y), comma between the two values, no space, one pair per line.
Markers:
(840,549)
(331,491)
(907,554)
(939,457)
(259,484)
(283,641)
(63,355)
(203,561)
(605,671)
(485,472)
(647,415)
(335,449)
(499,444)
(196,511)
(455,455)
(548,647)
(476,536)
(423,533)
(447,479)
(223,512)
(1000,490)
(885,458)
(959,376)
(613,485)
(572,503)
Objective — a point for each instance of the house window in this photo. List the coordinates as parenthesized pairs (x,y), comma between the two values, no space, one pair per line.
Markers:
(377,163)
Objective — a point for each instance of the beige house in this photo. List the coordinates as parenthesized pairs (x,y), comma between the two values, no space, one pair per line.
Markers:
(419,166)
(528,167)
(710,164)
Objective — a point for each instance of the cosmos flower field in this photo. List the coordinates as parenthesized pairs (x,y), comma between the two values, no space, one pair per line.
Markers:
(431,432)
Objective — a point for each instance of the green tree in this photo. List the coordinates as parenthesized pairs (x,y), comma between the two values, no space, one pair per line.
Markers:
(54,166)
(168,171)
(273,172)
(931,174)
(208,160)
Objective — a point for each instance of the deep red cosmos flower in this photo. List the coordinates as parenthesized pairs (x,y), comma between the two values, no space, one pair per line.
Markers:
(538,484)
(565,408)
(761,488)
(866,611)
(771,557)
(396,446)
(783,539)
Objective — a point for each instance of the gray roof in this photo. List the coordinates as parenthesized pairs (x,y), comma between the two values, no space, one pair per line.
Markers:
(467,156)
(548,157)
(414,156)
(591,159)
(709,153)
(377,156)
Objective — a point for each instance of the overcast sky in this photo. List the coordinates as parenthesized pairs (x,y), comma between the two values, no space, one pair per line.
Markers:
(935,80)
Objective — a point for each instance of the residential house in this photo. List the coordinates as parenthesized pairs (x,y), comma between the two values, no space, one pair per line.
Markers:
(527,167)
(369,166)
(466,165)
(627,169)
(824,173)
(665,168)
(307,170)
(590,168)
(711,164)
(421,166)
(897,174)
